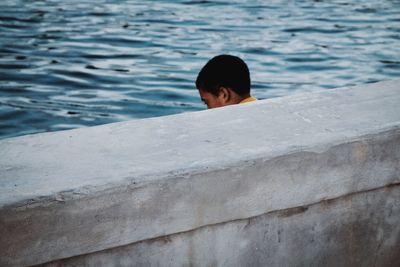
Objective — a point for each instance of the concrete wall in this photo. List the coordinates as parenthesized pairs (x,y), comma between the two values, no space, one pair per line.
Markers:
(309,179)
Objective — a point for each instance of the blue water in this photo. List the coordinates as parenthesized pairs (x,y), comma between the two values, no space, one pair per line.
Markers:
(68,64)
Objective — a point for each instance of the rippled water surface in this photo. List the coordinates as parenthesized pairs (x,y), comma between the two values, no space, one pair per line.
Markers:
(67,64)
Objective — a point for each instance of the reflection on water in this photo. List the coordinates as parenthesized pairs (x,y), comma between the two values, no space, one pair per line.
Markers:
(67,64)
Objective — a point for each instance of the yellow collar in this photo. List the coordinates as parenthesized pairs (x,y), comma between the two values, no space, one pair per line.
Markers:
(249,99)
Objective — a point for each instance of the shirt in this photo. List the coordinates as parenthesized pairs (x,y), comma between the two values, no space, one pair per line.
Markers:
(249,99)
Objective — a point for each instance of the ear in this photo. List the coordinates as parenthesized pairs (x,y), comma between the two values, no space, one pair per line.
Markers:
(224,94)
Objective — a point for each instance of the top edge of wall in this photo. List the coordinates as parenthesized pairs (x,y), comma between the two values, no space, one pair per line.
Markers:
(48,166)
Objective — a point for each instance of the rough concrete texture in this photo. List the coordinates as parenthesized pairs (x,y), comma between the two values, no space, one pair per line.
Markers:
(360,229)
(81,191)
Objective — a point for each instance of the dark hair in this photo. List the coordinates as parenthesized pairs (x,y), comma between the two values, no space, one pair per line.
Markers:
(227,71)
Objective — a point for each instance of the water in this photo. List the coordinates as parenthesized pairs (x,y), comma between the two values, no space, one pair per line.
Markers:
(68,64)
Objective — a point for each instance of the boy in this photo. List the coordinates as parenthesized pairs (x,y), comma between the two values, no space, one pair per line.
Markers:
(223,81)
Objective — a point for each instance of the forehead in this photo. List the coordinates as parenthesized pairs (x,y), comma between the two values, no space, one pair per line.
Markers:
(209,99)
(205,94)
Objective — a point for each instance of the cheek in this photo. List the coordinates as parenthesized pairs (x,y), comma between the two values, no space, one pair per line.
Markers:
(218,102)
(214,103)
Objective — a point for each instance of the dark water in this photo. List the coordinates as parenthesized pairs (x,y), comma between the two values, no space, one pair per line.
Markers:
(67,64)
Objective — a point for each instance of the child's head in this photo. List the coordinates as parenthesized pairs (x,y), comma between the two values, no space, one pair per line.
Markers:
(224,80)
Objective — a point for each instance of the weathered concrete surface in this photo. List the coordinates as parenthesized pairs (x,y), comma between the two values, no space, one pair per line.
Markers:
(76,192)
(361,229)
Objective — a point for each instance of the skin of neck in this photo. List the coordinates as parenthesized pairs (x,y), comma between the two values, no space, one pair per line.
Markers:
(237,99)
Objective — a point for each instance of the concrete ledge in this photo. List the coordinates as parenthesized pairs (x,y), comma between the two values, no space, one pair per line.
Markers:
(81,191)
